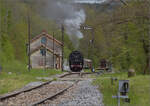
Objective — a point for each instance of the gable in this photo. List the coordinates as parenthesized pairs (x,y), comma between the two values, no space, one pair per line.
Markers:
(44,34)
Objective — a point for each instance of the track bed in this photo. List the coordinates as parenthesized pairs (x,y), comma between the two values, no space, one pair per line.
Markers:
(51,92)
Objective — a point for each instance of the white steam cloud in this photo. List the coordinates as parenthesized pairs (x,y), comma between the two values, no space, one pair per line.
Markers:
(68,13)
(73,24)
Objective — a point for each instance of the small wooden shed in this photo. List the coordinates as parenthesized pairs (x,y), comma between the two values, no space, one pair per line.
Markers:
(46,51)
(87,64)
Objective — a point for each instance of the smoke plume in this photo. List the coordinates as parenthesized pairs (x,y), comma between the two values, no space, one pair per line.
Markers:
(66,12)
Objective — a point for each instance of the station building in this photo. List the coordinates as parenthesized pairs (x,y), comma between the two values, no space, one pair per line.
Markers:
(45,51)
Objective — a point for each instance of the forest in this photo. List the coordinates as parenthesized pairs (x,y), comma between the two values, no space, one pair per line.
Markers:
(14,29)
(121,33)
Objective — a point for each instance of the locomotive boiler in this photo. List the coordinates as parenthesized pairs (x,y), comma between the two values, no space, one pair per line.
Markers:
(76,61)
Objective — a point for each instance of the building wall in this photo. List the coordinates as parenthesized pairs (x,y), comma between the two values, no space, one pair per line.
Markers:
(38,61)
(57,47)
(37,43)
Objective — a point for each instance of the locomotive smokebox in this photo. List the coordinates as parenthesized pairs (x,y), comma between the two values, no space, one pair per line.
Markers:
(76,61)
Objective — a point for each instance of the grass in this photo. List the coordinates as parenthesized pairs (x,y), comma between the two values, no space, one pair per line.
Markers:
(20,76)
(139,93)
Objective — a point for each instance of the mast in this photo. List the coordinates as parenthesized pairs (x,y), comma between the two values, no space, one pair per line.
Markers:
(29,37)
(62,62)
(53,51)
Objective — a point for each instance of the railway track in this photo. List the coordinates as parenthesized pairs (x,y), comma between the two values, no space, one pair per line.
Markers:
(3,97)
(80,74)
(53,96)
(41,93)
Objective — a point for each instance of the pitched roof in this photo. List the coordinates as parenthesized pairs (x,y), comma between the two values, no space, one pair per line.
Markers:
(88,60)
(38,48)
(48,36)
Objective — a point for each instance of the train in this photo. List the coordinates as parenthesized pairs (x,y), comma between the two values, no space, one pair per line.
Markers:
(105,65)
(76,61)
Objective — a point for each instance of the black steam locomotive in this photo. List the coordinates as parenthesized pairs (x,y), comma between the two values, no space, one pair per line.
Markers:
(76,61)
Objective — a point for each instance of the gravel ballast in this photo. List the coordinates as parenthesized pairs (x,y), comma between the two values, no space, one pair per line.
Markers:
(24,99)
(82,94)
(85,95)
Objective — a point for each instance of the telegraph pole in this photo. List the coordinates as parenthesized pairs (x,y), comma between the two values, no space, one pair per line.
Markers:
(92,42)
(29,37)
(0,19)
(45,56)
(92,47)
(53,51)
(149,36)
(0,30)
(62,62)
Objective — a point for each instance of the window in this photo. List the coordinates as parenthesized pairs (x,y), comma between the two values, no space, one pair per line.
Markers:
(43,40)
(43,51)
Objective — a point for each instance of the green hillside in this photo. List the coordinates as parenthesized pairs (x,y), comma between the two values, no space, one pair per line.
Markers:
(121,34)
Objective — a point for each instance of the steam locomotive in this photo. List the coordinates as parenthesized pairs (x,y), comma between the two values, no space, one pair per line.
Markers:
(76,61)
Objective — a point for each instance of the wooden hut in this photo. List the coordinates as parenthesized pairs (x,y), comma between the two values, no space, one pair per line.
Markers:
(46,51)
(87,64)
